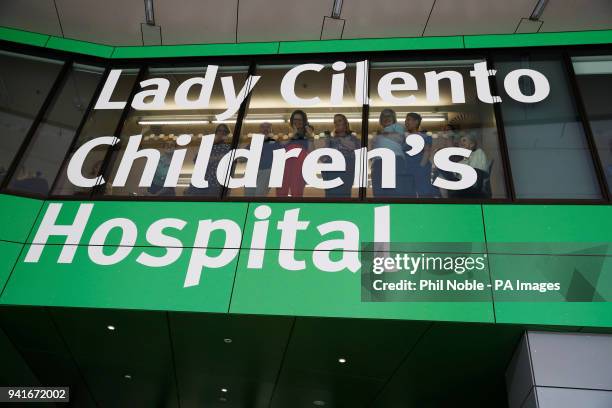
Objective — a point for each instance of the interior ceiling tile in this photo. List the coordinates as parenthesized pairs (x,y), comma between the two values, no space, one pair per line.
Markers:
(32,15)
(466,17)
(113,22)
(395,18)
(196,21)
(288,20)
(574,15)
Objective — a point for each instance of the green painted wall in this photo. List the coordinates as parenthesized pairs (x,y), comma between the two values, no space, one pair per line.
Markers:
(561,239)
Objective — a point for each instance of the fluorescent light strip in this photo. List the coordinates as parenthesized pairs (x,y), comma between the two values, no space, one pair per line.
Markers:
(264,120)
(173,122)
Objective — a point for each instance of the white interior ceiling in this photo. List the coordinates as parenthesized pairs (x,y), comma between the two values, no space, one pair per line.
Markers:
(119,22)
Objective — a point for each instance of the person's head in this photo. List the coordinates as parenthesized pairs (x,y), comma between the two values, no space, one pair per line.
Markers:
(341,125)
(298,121)
(265,128)
(387,117)
(167,147)
(413,122)
(468,141)
(221,133)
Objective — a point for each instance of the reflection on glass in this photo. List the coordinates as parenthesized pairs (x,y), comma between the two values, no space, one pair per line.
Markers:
(594,76)
(46,151)
(24,84)
(326,124)
(547,146)
(162,130)
(440,124)
(100,122)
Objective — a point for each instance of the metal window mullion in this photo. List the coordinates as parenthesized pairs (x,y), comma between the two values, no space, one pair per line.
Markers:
(53,92)
(365,123)
(586,124)
(98,188)
(238,129)
(79,129)
(501,136)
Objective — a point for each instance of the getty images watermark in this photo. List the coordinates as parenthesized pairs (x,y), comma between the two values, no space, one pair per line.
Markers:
(473,272)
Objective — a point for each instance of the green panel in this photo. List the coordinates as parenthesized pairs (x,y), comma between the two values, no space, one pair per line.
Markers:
(203,50)
(574,230)
(408,222)
(23,37)
(376,44)
(17,215)
(9,252)
(143,214)
(126,285)
(311,292)
(80,47)
(538,39)
(548,223)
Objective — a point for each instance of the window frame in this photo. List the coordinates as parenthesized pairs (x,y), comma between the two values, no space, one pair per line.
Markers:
(252,61)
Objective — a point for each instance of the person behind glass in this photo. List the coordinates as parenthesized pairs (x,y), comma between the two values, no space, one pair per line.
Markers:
(346,143)
(265,163)
(479,162)
(301,137)
(419,165)
(222,145)
(392,137)
(157,186)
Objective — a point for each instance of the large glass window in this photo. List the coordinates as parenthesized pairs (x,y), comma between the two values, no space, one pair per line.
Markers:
(287,124)
(438,101)
(548,150)
(178,122)
(594,76)
(24,84)
(99,123)
(45,153)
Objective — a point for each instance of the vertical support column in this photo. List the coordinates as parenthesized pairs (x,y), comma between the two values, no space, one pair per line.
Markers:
(561,370)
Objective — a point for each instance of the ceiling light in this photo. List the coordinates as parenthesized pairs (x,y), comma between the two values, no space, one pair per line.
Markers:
(127,377)
(264,120)
(336,9)
(110,327)
(222,399)
(227,340)
(342,360)
(223,389)
(173,122)
(318,403)
(536,14)
(149,14)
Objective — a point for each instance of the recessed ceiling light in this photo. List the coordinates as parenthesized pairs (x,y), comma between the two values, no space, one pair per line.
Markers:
(222,399)
(127,377)
(318,403)
(110,327)
(342,360)
(223,389)
(227,340)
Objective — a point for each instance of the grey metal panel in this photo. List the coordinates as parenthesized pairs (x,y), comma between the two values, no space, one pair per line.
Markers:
(528,26)
(31,15)
(532,400)
(573,15)
(452,17)
(273,20)
(519,378)
(151,35)
(572,360)
(113,22)
(573,398)
(396,18)
(196,21)
(332,28)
